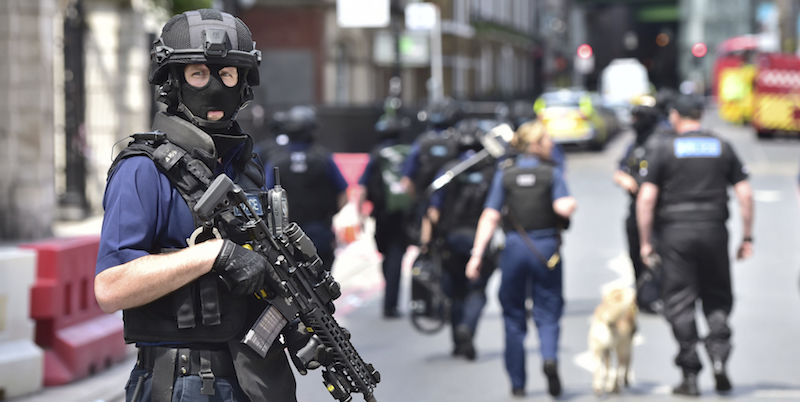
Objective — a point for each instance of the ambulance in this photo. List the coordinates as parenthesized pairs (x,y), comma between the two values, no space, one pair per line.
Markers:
(776,95)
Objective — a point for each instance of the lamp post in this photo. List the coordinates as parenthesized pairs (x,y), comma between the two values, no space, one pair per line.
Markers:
(426,17)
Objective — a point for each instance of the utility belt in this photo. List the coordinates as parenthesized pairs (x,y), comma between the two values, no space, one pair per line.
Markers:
(167,363)
(692,211)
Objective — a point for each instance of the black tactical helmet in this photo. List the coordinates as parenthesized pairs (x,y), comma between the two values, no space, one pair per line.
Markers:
(390,126)
(208,37)
(443,113)
(298,119)
(471,132)
(201,37)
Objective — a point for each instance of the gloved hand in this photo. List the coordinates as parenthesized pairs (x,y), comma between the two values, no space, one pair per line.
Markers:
(305,348)
(240,269)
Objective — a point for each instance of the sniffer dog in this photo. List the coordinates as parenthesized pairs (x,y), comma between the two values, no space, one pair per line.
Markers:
(611,336)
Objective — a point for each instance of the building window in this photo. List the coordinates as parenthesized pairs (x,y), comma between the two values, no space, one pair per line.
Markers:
(487,10)
(486,72)
(342,94)
(461,11)
(505,70)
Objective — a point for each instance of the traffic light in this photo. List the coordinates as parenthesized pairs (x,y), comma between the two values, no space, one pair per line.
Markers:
(699,49)
(584,51)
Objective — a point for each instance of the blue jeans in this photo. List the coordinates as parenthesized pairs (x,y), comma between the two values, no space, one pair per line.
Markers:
(185,389)
(525,274)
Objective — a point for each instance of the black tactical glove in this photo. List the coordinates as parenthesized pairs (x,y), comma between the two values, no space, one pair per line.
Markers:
(562,222)
(305,348)
(240,269)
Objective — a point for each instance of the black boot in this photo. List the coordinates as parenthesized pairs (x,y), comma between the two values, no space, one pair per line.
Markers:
(463,337)
(688,387)
(553,382)
(721,377)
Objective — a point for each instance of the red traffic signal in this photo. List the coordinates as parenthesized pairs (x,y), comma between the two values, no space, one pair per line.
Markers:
(699,49)
(584,51)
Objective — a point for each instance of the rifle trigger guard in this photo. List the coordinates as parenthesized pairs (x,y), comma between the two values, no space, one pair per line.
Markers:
(203,233)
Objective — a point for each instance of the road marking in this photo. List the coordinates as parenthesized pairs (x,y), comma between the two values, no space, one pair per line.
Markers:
(586,361)
(790,394)
(771,167)
(767,195)
(621,265)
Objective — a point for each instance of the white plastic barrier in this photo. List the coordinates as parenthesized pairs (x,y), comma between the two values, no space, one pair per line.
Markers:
(21,360)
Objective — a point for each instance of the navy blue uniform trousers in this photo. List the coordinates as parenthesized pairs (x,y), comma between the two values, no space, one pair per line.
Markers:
(523,275)
(186,388)
(467,297)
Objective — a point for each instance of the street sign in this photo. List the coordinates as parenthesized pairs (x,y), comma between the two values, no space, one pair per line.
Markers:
(362,13)
(420,16)
(414,49)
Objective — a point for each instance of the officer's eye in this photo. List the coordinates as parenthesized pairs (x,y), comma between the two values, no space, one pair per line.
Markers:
(196,75)
(229,76)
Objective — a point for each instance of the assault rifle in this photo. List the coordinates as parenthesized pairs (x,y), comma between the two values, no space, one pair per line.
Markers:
(495,145)
(297,287)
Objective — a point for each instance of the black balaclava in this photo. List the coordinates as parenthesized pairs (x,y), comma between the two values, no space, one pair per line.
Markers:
(644,122)
(215,95)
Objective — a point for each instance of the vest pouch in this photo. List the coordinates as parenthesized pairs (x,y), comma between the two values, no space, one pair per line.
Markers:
(182,317)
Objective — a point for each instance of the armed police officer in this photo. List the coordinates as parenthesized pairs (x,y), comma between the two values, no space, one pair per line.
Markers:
(453,234)
(186,302)
(628,176)
(315,186)
(683,203)
(429,152)
(529,194)
(381,184)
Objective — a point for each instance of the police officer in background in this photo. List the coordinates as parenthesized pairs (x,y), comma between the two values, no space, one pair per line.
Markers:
(429,152)
(434,147)
(313,182)
(380,183)
(628,176)
(453,233)
(683,203)
(186,305)
(530,196)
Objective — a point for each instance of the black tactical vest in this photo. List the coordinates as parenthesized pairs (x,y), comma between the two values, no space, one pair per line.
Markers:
(304,176)
(435,149)
(529,199)
(465,197)
(202,311)
(695,178)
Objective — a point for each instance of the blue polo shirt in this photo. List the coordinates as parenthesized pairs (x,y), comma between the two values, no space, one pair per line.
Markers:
(144,213)
(497,195)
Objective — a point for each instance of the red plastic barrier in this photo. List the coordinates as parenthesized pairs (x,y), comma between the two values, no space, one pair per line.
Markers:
(78,338)
(352,166)
(347,225)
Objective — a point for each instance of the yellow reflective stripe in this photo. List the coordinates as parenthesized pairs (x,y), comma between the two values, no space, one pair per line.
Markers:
(777,111)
